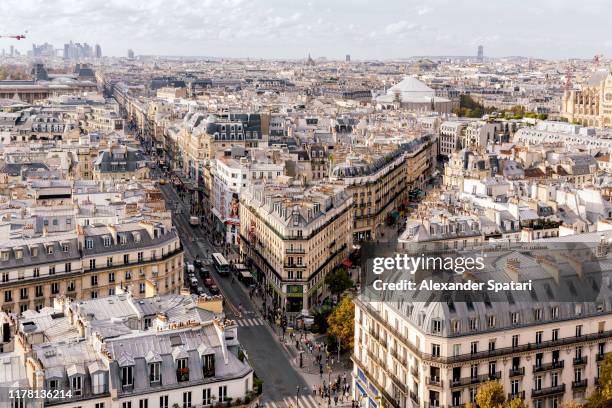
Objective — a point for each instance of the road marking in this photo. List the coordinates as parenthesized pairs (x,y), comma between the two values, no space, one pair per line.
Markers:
(315,404)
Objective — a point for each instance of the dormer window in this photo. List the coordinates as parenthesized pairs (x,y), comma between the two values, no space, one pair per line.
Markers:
(89,243)
(127,376)
(154,372)
(34,251)
(49,249)
(137,237)
(65,247)
(182,370)
(18,254)
(106,240)
(208,365)
(123,239)
(76,385)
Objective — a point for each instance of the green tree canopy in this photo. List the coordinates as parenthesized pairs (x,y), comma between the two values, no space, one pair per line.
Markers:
(338,281)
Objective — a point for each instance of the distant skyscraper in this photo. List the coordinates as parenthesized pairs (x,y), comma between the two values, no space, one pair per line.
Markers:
(131,54)
(12,52)
(480,53)
(98,51)
(348,58)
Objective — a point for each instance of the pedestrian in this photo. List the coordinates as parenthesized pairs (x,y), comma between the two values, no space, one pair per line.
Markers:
(344,378)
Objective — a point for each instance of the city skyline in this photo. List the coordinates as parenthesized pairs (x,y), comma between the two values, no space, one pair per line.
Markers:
(272,29)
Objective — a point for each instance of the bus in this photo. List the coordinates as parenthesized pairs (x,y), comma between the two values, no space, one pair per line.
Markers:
(221,264)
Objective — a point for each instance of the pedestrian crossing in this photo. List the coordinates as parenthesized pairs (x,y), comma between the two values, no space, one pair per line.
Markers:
(246,322)
(304,401)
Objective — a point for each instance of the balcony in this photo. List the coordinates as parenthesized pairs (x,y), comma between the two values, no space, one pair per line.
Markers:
(555,365)
(516,371)
(543,392)
(415,372)
(414,397)
(600,356)
(182,374)
(295,251)
(433,381)
(462,382)
(397,356)
(519,394)
(580,361)
(579,385)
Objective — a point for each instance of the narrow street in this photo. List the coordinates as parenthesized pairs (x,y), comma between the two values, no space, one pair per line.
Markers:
(271,360)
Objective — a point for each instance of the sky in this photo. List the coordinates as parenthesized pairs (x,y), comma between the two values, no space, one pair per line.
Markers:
(365,29)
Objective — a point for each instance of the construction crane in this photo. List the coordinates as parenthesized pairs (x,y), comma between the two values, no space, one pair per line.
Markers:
(17,37)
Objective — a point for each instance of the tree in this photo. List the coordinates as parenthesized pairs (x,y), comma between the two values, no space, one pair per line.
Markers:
(516,403)
(603,394)
(342,321)
(338,281)
(490,395)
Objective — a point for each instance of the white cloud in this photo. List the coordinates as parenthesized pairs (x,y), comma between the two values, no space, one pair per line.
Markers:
(424,9)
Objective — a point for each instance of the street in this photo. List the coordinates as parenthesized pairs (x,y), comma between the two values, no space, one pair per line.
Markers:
(268,356)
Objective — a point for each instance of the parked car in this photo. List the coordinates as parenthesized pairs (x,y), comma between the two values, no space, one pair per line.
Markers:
(194,282)
(200,290)
(214,290)
(208,282)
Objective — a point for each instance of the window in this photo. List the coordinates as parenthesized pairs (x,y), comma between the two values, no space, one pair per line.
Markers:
(537,315)
(491,321)
(127,376)
(36,272)
(68,267)
(436,326)
(473,324)
(92,264)
(38,291)
(515,317)
(8,296)
(111,277)
(515,340)
(538,382)
(106,241)
(76,385)
(456,349)
(554,312)
(98,384)
(109,261)
(89,243)
(538,337)
(126,258)
(187,399)
(54,288)
(141,257)
(128,275)
(127,404)
(99,405)
(23,293)
(94,280)
(154,372)
(206,397)
(492,345)
(579,330)
(474,347)
(141,288)
(435,350)
(52,270)
(555,334)
(65,247)
(143,403)
(222,393)
(163,401)
(49,249)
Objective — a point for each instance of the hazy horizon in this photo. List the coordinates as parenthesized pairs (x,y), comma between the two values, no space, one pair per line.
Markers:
(273,29)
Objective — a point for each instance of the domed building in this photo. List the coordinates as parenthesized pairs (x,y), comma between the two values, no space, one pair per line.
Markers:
(414,94)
